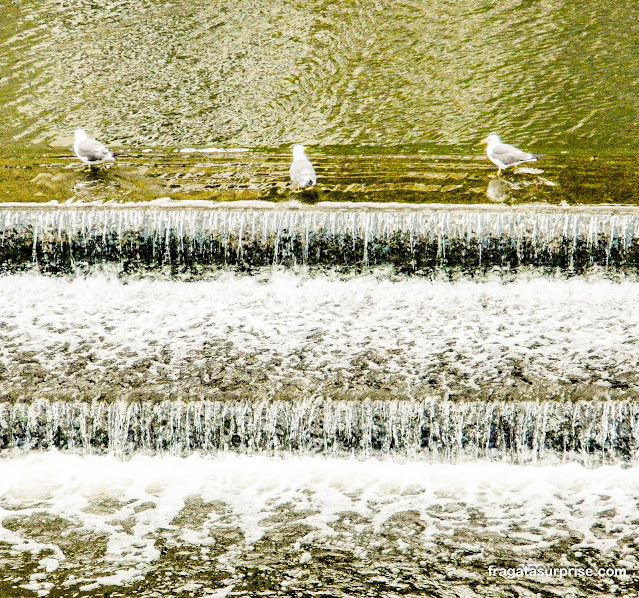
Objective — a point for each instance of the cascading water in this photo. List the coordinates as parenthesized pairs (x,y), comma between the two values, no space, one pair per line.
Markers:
(356,396)
(520,432)
(414,240)
(201,401)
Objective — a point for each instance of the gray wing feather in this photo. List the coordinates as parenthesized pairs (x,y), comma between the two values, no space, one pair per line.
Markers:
(303,173)
(508,154)
(93,150)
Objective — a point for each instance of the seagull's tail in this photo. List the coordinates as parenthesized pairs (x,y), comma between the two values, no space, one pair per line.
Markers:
(306,182)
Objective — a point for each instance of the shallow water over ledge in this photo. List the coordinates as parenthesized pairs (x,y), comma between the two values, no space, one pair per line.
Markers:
(354,174)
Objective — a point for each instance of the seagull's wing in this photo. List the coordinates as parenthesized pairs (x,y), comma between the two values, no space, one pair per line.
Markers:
(93,150)
(303,173)
(507,154)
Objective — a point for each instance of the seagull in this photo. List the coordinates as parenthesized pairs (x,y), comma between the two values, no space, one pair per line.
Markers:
(503,155)
(89,150)
(302,172)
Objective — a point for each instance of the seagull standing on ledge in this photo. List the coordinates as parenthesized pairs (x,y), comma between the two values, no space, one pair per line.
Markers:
(89,150)
(503,155)
(302,171)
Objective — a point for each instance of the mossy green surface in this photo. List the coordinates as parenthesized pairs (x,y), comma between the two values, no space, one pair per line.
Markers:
(38,175)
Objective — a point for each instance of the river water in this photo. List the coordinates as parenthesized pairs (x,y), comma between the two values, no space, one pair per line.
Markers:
(391,101)
(274,399)
(553,75)
(213,386)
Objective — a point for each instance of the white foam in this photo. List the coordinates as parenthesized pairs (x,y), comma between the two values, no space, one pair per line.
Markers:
(547,501)
(213,150)
(465,336)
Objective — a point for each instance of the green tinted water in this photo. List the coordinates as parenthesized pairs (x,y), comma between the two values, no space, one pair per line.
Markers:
(549,76)
(43,174)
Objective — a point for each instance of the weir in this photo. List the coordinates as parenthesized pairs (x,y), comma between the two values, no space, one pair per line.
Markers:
(411,241)
(239,390)
(448,431)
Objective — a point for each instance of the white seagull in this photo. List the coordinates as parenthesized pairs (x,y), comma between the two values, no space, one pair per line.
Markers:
(503,155)
(302,171)
(89,150)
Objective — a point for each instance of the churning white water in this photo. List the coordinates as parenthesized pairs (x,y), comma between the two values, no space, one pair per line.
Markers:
(288,336)
(375,518)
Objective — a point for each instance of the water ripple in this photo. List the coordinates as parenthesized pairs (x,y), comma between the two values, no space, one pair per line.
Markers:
(265,73)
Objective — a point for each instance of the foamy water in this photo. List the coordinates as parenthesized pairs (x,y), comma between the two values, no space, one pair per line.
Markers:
(288,335)
(229,524)
(229,513)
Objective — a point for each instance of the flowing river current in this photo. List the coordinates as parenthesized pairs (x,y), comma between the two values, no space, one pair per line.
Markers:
(417,379)
(291,400)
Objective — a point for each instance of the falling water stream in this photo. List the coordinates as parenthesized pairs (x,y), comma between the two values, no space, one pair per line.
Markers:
(414,240)
(212,385)
(208,400)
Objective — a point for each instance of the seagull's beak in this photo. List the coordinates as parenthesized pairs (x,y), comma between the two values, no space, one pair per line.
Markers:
(483,142)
